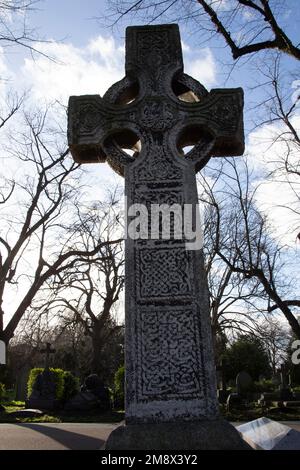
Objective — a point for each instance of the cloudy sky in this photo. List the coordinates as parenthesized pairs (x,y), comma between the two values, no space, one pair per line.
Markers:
(89,57)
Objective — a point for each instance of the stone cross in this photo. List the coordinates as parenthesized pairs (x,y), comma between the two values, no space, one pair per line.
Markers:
(47,351)
(157,111)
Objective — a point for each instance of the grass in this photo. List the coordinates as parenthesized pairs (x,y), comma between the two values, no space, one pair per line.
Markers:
(61,416)
(97,416)
(255,412)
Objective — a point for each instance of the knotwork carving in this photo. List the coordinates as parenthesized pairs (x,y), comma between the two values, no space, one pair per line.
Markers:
(169,354)
(163,272)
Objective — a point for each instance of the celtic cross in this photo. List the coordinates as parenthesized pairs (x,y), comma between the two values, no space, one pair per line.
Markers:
(157,111)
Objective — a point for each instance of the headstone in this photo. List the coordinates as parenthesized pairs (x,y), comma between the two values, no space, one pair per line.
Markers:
(284,388)
(44,389)
(244,383)
(266,398)
(82,401)
(170,372)
(234,401)
(265,434)
(93,394)
(276,379)
(21,380)
(222,383)
(43,394)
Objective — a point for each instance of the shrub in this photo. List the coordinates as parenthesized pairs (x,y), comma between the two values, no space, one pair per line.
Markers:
(119,382)
(71,385)
(66,384)
(2,391)
(264,386)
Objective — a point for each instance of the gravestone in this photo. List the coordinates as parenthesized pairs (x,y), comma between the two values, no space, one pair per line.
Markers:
(244,383)
(93,394)
(43,393)
(284,388)
(239,399)
(171,400)
(222,383)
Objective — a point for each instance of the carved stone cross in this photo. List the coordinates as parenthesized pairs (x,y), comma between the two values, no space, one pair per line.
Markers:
(47,351)
(156,111)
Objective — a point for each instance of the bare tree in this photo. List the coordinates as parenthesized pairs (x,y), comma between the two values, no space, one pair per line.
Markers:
(276,339)
(40,206)
(240,238)
(14,26)
(88,294)
(246,26)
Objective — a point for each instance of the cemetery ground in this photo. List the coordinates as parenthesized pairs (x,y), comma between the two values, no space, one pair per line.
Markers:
(252,412)
(60,416)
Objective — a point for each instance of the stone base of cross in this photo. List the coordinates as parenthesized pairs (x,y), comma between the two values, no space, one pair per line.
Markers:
(157,111)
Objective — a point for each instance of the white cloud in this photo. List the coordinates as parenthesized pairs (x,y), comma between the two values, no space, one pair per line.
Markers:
(76,71)
(200,64)
(278,192)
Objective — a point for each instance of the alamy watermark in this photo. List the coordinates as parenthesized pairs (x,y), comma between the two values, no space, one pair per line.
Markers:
(165,222)
(296,352)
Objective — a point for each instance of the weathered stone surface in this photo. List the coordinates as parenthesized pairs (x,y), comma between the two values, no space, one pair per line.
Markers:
(265,434)
(202,435)
(157,110)
(170,372)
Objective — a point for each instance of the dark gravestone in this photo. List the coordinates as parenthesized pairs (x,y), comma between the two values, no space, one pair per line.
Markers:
(244,383)
(44,388)
(239,399)
(222,383)
(93,394)
(284,388)
(170,372)
(43,394)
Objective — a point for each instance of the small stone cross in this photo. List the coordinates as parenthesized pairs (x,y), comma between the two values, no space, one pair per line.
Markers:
(157,112)
(47,351)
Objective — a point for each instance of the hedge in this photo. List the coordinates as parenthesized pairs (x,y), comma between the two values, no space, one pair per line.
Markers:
(119,383)
(66,384)
(2,391)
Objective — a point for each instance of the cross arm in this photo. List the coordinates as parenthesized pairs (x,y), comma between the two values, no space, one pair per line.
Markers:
(220,115)
(90,120)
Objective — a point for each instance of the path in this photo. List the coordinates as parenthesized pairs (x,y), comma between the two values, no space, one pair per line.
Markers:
(59,436)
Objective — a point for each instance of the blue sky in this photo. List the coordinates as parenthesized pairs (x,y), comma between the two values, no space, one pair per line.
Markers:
(90,58)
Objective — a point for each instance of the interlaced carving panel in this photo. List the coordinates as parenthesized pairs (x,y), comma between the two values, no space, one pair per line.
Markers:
(163,273)
(169,354)
(153,48)
(159,167)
